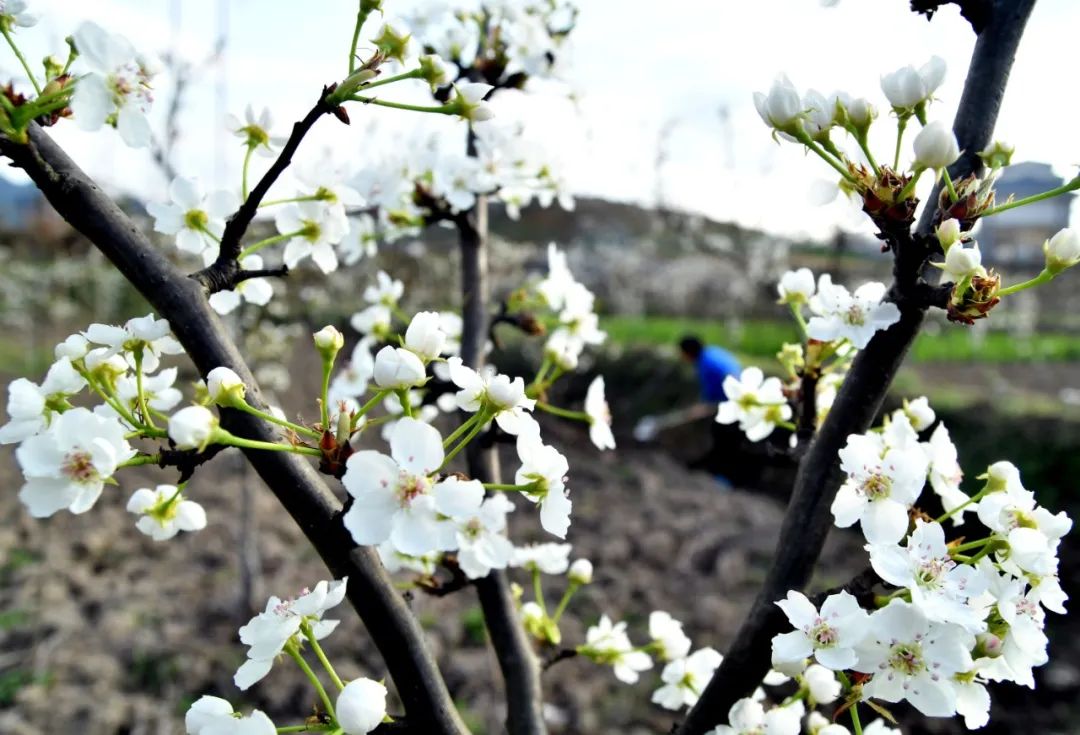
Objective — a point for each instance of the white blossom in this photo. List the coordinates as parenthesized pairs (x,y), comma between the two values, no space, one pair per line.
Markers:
(607,643)
(267,633)
(192,427)
(164,512)
(67,465)
(907,87)
(361,706)
(839,314)
(685,679)
(757,403)
(882,484)
(596,406)
(667,634)
(830,636)
(913,659)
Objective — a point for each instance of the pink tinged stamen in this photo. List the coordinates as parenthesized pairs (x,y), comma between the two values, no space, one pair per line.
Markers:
(79,466)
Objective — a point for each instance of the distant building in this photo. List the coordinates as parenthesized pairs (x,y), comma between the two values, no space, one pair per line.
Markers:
(1015,237)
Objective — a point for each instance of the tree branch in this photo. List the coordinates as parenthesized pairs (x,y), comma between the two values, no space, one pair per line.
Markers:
(808,518)
(518,663)
(221,274)
(291,478)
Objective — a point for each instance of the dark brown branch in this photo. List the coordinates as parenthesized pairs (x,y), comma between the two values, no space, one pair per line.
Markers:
(975,12)
(520,670)
(243,275)
(808,518)
(221,274)
(563,654)
(297,485)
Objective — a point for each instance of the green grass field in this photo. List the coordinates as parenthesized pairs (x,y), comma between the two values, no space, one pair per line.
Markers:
(762,339)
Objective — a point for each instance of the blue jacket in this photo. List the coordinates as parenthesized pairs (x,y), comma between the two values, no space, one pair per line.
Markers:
(713,365)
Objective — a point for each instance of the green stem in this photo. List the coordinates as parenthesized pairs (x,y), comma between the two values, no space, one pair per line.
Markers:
(244,175)
(564,412)
(538,591)
(949,184)
(807,141)
(374,401)
(796,311)
(461,445)
(141,459)
(856,725)
(305,728)
(406,403)
(1064,189)
(290,648)
(143,410)
(970,501)
(361,17)
(252,249)
(901,126)
(465,426)
(414,74)
(235,441)
(324,400)
(570,590)
(20,57)
(973,544)
(909,188)
(310,635)
(442,109)
(528,487)
(289,200)
(1044,277)
(267,416)
(865,147)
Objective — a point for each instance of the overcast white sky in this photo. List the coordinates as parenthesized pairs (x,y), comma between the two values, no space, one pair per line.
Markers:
(637,66)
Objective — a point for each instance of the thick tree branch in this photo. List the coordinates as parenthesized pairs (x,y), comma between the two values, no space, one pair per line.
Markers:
(808,518)
(292,479)
(221,275)
(518,663)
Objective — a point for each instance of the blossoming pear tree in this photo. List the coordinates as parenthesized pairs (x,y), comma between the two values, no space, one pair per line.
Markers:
(936,615)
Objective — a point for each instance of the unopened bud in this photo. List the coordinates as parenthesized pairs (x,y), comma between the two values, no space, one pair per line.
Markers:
(1062,250)
(581,572)
(329,342)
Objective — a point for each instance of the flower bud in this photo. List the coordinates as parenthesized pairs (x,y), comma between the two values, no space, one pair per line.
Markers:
(192,427)
(581,572)
(354,81)
(468,101)
(998,155)
(936,146)
(397,368)
(73,348)
(860,113)
(434,71)
(908,89)
(987,645)
(1062,250)
(225,387)
(781,108)
(329,342)
(963,263)
(505,393)
(1000,475)
(919,413)
(948,233)
(796,287)
(425,337)
(361,706)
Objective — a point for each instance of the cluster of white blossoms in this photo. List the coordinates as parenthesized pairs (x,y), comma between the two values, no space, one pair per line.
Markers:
(436,180)
(840,323)
(113,85)
(68,454)
(964,612)
(515,36)
(285,628)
